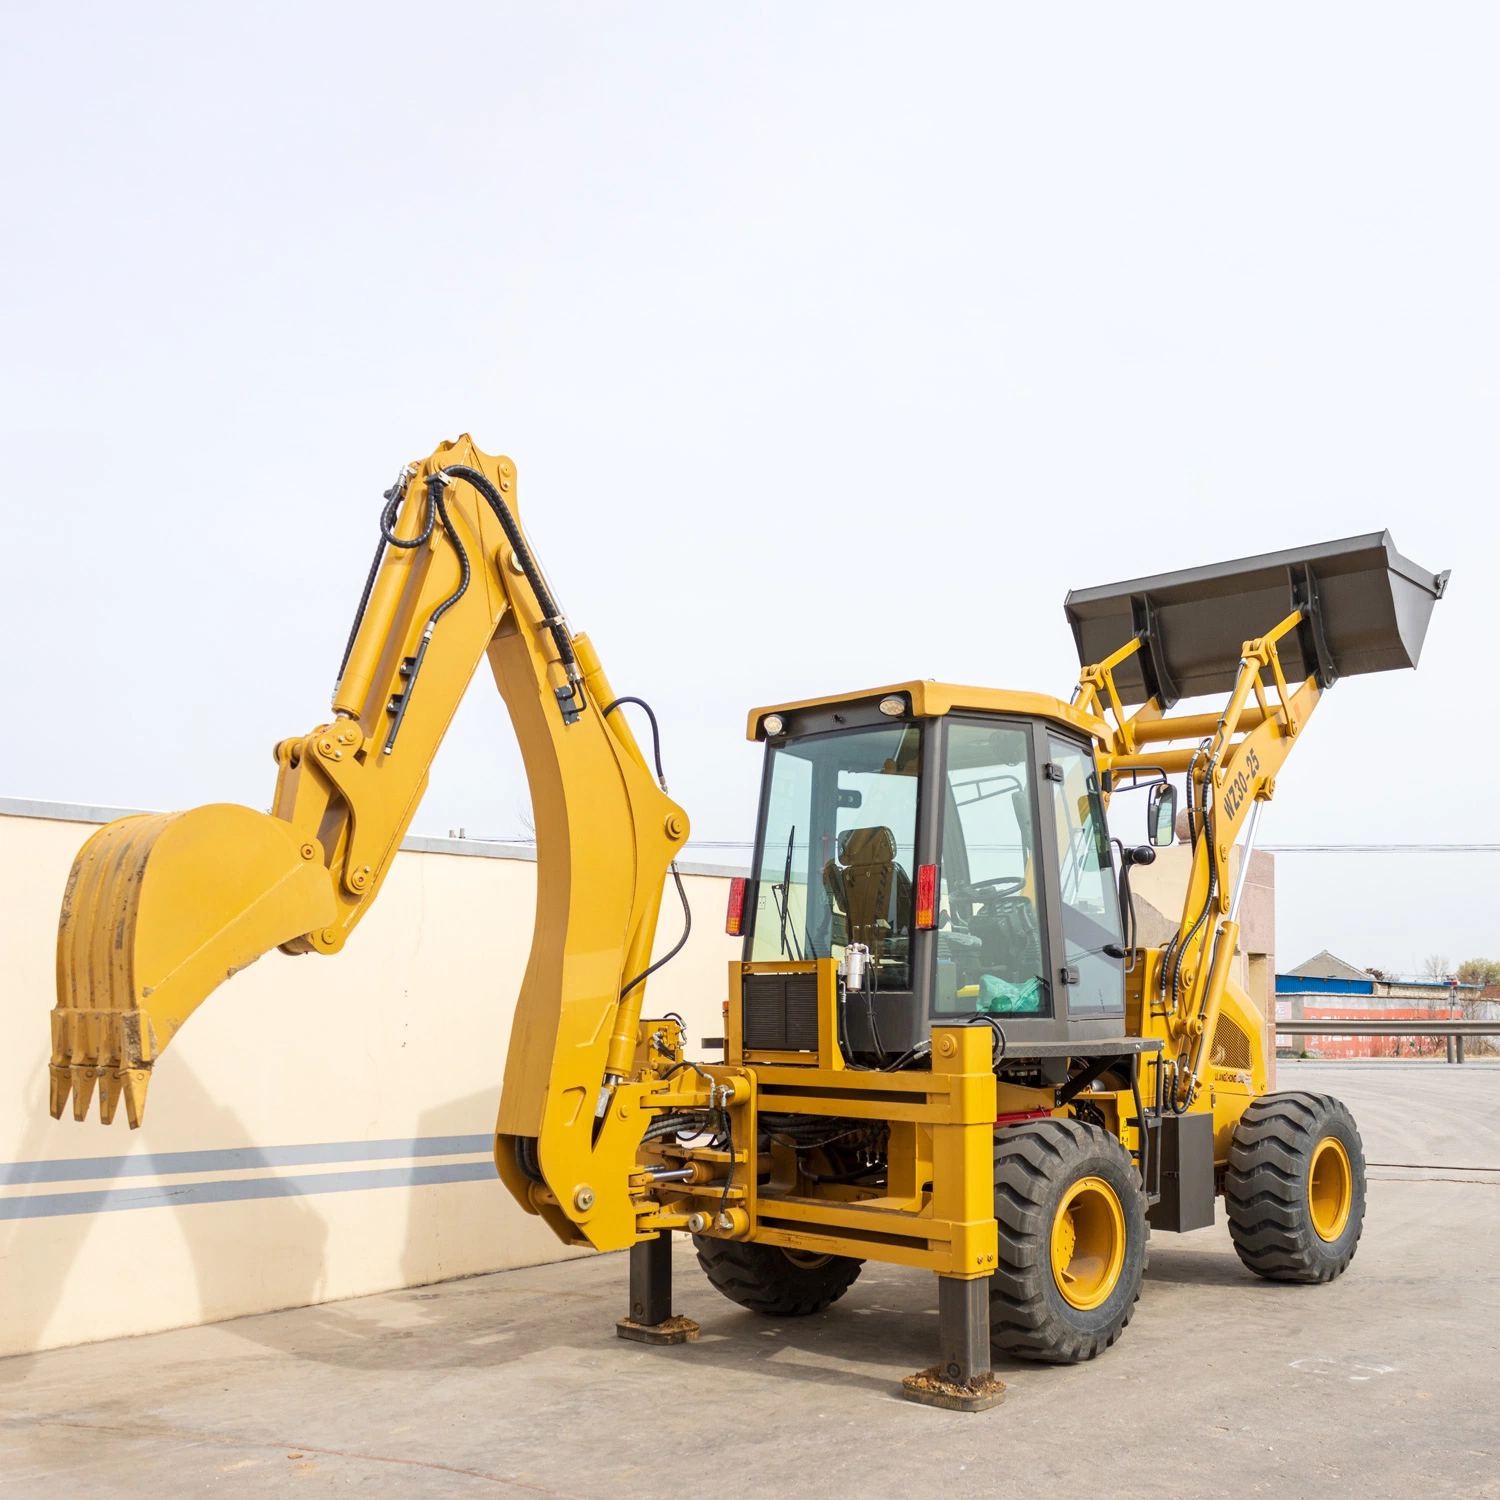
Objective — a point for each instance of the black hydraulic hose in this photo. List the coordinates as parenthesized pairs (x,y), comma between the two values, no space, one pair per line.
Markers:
(437,510)
(671,1125)
(435,489)
(729,1180)
(1175,1087)
(851,1176)
(687,927)
(609,708)
(1169,953)
(687,911)
(388,521)
(676,1068)
(1207,833)
(920,1050)
(533,575)
(393,498)
(1140,1124)
(998,1044)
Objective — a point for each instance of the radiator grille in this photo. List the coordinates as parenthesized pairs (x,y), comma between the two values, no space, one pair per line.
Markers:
(1231,1046)
(781,1012)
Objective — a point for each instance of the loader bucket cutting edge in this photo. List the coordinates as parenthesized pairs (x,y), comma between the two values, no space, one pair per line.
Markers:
(159,910)
(1373,608)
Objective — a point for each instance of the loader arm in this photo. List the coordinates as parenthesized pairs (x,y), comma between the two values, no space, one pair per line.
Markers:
(1356,606)
(1231,770)
(160,910)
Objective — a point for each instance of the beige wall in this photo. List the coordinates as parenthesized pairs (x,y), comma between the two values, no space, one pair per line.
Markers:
(334,1114)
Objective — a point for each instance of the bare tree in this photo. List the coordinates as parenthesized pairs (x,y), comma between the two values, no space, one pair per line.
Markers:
(1437,966)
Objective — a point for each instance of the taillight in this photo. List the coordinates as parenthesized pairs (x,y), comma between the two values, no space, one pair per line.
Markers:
(734,918)
(926,896)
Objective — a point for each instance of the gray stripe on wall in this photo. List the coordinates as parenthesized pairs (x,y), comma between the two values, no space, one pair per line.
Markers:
(237,1159)
(109,1200)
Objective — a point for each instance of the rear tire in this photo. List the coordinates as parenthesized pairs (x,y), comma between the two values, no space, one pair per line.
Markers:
(1073,1237)
(779,1283)
(1295,1189)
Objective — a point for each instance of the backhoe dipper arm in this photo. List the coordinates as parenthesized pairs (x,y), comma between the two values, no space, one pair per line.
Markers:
(161,909)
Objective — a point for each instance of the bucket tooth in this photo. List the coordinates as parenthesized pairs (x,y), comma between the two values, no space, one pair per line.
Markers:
(59,1070)
(84,1076)
(59,1086)
(135,1082)
(110,1086)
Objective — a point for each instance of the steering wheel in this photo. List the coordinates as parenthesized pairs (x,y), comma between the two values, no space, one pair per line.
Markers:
(999,885)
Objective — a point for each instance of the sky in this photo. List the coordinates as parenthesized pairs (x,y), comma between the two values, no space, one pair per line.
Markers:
(833,344)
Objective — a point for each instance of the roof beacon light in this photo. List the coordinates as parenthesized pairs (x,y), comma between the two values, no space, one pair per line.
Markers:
(772,724)
(926,896)
(895,707)
(734,917)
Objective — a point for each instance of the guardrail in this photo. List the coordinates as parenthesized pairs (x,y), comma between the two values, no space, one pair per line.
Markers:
(1455,1029)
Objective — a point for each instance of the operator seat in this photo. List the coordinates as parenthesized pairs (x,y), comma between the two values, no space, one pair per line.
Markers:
(862,881)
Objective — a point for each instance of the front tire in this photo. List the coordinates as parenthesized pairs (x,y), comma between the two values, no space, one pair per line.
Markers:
(779,1283)
(1072,1228)
(1295,1189)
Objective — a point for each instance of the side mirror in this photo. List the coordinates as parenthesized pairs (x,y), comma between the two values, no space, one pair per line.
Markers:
(1161,814)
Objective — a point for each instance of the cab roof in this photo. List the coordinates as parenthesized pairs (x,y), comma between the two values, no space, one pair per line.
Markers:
(931,700)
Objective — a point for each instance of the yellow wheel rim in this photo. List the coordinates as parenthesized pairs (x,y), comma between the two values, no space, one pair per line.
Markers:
(806,1260)
(1088,1243)
(1330,1188)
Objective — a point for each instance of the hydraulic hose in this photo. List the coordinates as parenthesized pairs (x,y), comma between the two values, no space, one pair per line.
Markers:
(533,574)
(393,498)
(687,911)
(437,510)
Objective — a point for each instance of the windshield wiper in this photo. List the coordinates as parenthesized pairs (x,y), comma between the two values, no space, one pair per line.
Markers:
(783,897)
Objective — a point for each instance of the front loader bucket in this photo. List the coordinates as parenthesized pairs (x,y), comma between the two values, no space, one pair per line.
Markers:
(159,910)
(1365,609)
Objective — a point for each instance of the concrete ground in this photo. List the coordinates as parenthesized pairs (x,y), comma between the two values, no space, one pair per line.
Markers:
(1381,1384)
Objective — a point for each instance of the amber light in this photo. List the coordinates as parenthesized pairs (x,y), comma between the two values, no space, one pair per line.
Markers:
(734,918)
(926,896)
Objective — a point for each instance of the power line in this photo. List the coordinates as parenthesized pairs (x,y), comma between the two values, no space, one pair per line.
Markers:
(1381,848)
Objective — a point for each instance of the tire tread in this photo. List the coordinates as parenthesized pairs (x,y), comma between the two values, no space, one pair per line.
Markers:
(1265,1188)
(760,1278)
(1030,1158)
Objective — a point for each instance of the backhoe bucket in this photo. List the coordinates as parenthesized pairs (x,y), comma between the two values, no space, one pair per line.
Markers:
(159,910)
(1365,609)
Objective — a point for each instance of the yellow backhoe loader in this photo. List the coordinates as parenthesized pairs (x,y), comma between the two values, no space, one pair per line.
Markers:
(943,1047)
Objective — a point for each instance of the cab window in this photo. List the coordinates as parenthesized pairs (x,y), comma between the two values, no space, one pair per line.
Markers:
(837,850)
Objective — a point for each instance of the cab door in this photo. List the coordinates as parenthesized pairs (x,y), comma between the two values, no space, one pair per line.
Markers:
(1084,890)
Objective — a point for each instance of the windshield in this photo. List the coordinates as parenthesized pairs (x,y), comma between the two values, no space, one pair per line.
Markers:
(837,856)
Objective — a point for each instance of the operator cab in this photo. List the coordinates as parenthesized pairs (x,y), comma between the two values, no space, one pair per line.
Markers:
(958,837)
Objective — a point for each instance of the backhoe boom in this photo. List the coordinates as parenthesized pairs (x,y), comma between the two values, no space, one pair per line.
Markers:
(190,898)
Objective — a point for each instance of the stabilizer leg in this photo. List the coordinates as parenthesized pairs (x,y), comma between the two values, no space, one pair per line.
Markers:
(650,1320)
(961,1380)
